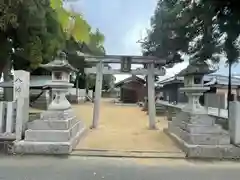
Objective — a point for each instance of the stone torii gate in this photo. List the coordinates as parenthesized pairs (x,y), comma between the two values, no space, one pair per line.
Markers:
(126,62)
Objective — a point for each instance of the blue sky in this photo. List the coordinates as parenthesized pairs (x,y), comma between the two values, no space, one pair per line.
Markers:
(123,22)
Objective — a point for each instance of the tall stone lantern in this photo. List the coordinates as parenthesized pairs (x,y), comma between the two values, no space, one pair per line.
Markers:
(193,128)
(57,131)
(61,70)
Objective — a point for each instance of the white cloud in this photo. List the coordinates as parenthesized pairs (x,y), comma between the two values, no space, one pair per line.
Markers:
(131,46)
(174,70)
(130,41)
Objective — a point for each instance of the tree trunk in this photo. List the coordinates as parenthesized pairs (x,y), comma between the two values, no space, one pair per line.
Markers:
(229,96)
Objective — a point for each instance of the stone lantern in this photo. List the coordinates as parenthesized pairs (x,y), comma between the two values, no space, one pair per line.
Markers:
(61,70)
(194,86)
(57,131)
(193,128)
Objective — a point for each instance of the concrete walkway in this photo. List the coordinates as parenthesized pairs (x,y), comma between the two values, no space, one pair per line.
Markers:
(92,168)
(123,129)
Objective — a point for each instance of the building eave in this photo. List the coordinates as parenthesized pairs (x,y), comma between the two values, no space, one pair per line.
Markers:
(130,79)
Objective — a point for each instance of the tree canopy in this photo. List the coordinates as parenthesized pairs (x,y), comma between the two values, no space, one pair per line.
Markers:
(72,23)
(32,31)
(204,29)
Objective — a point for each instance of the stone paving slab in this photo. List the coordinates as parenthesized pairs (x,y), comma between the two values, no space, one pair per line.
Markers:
(128,154)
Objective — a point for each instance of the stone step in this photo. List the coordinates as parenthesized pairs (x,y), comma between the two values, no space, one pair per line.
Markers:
(53,135)
(207,139)
(31,147)
(201,129)
(161,108)
(200,119)
(220,151)
(177,120)
(182,115)
(52,124)
(203,119)
(57,115)
(222,138)
(206,151)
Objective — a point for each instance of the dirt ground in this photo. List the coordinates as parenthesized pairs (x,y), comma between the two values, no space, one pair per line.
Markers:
(122,128)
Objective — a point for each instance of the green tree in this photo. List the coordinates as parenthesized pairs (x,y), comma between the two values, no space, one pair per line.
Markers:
(94,47)
(181,27)
(220,18)
(96,43)
(8,21)
(32,31)
(203,29)
(38,36)
(72,23)
(29,35)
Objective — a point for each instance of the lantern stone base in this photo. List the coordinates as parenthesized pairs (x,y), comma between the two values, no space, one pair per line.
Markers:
(199,137)
(205,151)
(213,138)
(57,132)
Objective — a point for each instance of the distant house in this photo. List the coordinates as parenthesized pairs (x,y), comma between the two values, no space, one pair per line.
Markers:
(132,89)
(218,85)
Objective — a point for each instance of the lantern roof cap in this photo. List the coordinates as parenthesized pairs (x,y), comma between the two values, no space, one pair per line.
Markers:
(60,63)
(196,68)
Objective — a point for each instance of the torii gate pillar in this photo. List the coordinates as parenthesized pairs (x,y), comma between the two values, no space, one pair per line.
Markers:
(98,94)
(151,96)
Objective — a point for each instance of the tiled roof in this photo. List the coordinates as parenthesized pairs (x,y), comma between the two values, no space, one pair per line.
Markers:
(131,78)
(210,78)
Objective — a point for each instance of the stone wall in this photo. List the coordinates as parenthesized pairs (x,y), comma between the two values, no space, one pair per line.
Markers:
(220,116)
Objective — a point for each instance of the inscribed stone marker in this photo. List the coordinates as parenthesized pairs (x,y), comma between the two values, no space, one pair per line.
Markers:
(21,95)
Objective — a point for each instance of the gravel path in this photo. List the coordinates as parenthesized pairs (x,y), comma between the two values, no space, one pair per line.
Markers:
(123,128)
